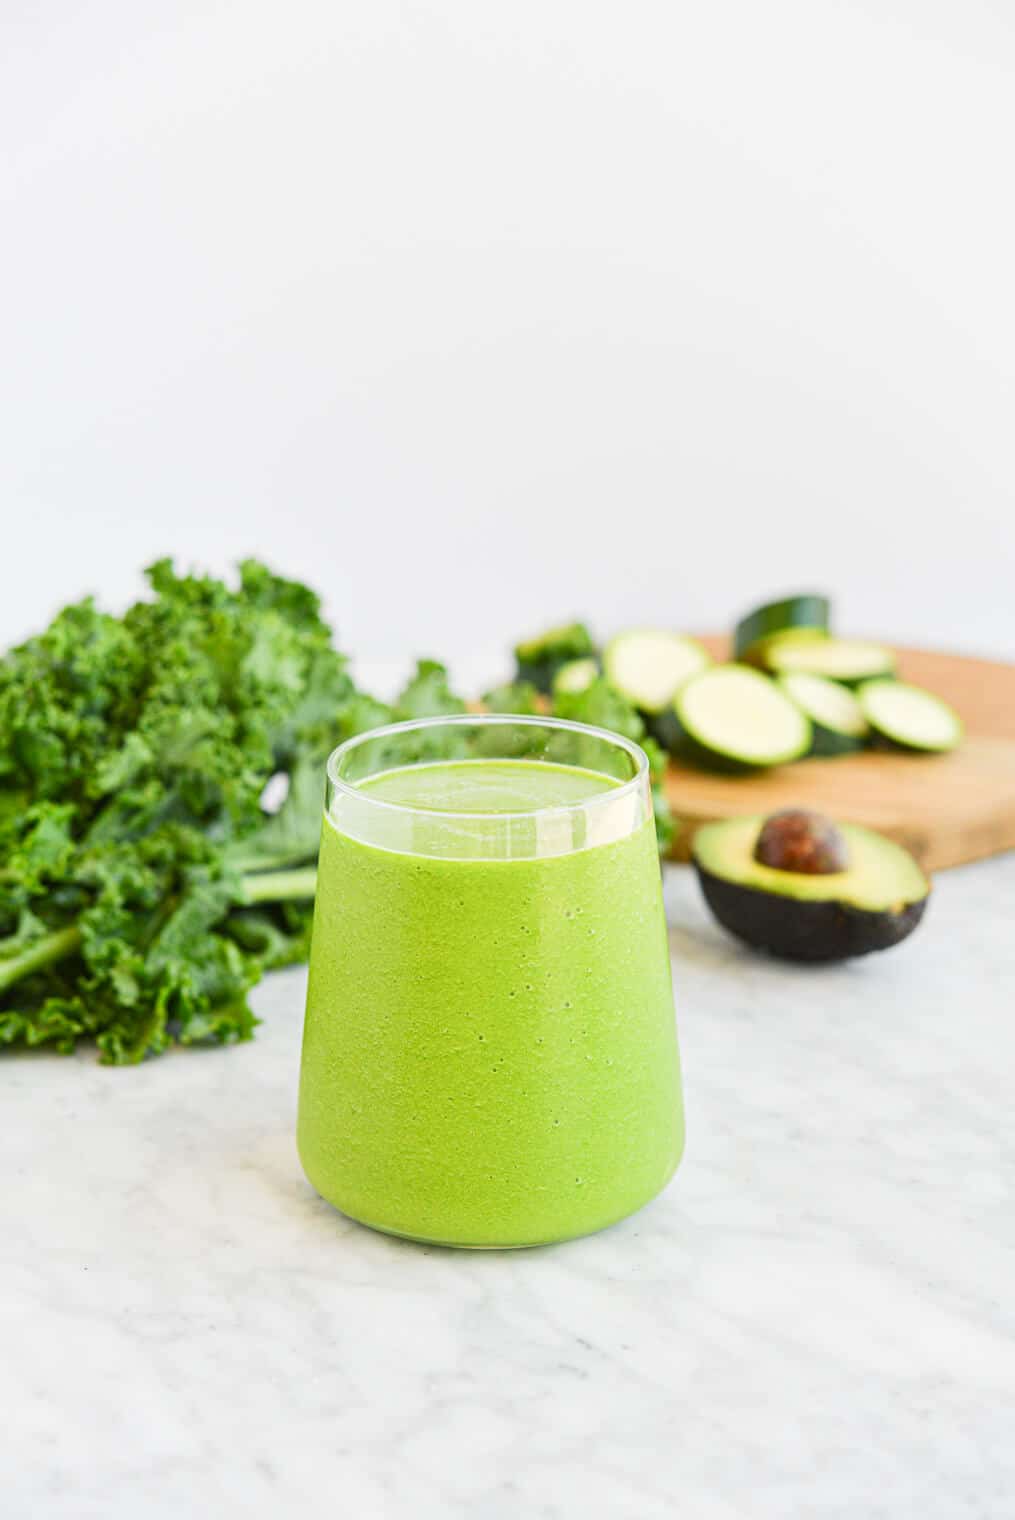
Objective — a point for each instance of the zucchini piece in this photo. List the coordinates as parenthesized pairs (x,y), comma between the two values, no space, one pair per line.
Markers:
(909,717)
(836,716)
(795,617)
(648,666)
(539,659)
(576,676)
(734,718)
(847,660)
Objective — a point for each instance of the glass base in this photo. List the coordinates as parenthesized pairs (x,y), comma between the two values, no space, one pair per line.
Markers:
(508,1245)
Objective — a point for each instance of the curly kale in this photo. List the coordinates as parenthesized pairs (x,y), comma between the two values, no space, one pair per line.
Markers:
(514,697)
(144,888)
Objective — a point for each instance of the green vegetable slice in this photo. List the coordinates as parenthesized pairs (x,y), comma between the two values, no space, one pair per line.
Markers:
(803,616)
(836,716)
(909,717)
(846,660)
(575,676)
(539,659)
(735,716)
(648,666)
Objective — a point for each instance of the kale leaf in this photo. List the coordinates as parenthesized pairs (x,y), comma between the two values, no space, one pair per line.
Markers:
(144,888)
(514,697)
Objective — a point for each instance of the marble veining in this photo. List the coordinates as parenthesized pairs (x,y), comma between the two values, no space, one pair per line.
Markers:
(816,1320)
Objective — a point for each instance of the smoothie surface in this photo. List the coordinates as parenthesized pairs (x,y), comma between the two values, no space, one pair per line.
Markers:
(487,786)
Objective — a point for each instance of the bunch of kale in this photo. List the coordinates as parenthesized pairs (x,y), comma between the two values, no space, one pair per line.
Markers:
(143,886)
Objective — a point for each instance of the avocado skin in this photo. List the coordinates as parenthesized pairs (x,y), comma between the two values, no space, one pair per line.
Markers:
(802,930)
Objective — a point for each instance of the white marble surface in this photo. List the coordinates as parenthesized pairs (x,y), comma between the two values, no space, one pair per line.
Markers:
(816,1320)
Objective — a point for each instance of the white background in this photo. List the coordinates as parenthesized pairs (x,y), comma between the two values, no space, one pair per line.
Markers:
(479,316)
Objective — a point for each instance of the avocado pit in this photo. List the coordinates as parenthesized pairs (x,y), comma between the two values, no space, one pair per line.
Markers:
(799,840)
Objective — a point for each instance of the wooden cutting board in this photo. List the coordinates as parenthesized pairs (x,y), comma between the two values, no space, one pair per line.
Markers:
(946,809)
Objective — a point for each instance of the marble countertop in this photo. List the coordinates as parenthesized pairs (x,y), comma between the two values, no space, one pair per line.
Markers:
(817,1319)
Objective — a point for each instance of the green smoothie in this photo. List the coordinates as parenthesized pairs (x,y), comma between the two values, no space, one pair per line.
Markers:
(489,1051)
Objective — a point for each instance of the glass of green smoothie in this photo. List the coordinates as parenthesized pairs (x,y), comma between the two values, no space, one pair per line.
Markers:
(489,1053)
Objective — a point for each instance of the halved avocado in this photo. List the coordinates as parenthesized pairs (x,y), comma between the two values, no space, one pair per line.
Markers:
(848,890)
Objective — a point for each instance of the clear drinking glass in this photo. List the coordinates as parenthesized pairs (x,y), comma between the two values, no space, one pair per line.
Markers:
(489,1053)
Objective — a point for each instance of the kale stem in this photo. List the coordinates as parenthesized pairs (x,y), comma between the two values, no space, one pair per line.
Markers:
(268,886)
(255,865)
(281,886)
(53,947)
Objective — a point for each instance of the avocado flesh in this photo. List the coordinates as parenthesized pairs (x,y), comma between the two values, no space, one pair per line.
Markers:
(872,905)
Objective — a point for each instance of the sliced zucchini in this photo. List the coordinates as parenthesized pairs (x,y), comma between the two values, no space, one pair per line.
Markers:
(733,717)
(909,717)
(538,660)
(846,660)
(836,716)
(805,616)
(576,676)
(648,666)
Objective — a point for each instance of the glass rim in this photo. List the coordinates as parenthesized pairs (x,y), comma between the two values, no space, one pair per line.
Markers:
(492,720)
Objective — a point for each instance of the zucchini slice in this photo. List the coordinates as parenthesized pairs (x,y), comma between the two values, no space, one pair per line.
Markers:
(538,660)
(836,716)
(733,717)
(846,660)
(576,676)
(648,666)
(805,616)
(909,717)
